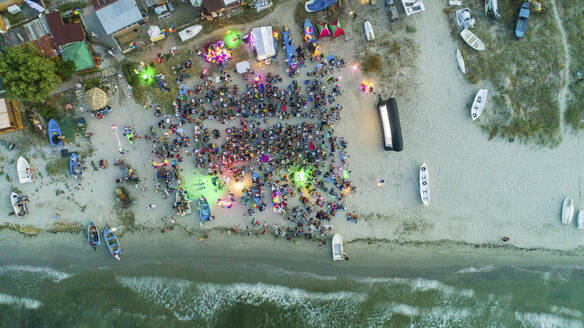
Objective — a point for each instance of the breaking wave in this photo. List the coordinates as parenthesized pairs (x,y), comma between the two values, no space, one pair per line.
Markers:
(27,303)
(546,320)
(471,269)
(44,272)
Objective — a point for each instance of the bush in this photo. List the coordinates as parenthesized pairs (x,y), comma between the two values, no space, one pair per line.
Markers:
(372,63)
(65,68)
(47,111)
(410,29)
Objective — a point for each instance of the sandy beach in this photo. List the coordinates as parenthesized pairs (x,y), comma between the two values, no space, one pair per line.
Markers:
(481,190)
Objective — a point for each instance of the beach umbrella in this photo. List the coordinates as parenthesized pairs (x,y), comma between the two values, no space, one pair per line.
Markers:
(336,29)
(96,98)
(323,30)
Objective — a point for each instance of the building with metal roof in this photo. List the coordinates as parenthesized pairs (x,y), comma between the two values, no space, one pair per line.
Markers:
(119,15)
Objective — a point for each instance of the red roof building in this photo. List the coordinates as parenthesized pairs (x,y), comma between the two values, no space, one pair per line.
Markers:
(64,33)
(98,4)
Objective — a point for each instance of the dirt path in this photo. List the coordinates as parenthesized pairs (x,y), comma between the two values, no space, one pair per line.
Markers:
(563,94)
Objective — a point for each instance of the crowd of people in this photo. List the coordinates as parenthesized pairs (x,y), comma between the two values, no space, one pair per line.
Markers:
(284,133)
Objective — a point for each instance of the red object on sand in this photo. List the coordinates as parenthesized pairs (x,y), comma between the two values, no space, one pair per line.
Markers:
(284,108)
(311,146)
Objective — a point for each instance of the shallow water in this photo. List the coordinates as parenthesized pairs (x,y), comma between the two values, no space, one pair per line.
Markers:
(222,292)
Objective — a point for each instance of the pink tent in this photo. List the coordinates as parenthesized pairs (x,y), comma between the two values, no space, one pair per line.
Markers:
(337,29)
(323,30)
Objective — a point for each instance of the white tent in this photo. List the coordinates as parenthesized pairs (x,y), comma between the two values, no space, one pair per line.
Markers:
(243,67)
(263,42)
(154,32)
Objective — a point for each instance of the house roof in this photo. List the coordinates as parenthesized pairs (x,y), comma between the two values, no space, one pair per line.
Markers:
(64,33)
(98,4)
(30,31)
(79,53)
(118,15)
(4,118)
(213,5)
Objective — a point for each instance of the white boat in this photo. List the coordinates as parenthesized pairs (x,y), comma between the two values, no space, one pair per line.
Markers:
(338,254)
(18,204)
(454,2)
(190,32)
(479,103)
(413,6)
(23,169)
(460,61)
(369,34)
(425,184)
(472,40)
(567,210)
(580,222)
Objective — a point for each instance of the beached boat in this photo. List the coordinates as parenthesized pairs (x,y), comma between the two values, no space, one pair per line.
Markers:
(190,32)
(338,253)
(204,209)
(479,103)
(580,221)
(290,51)
(24,171)
(567,210)
(316,5)
(493,7)
(54,134)
(460,61)
(454,2)
(75,166)
(464,19)
(309,38)
(413,6)
(112,243)
(256,189)
(369,34)
(183,203)
(425,184)
(19,204)
(522,18)
(92,235)
(472,40)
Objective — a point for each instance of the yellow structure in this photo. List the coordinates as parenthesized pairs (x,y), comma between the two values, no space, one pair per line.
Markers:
(10,119)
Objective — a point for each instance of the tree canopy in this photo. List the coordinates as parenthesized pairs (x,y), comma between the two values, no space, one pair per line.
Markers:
(65,68)
(27,74)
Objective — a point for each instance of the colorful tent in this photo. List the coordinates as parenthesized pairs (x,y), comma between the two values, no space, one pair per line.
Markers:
(337,29)
(323,30)
(79,53)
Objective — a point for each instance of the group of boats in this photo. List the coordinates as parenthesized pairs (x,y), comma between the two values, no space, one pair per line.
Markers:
(568,213)
(111,240)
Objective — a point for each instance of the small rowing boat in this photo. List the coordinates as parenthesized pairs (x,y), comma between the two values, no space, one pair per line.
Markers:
(472,40)
(19,205)
(256,189)
(478,104)
(338,253)
(567,210)
(424,184)
(112,243)
(92,235)
(580,221)
(460,61)
(369,34)
(522,17)
(54,134)
(75,166)
(204,209)
(24,171)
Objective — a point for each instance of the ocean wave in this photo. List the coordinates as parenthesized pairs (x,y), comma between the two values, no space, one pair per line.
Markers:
(27,303)
(546,320)
(439,316)
(420,285)
(471,269)
(566,311)
(45,272)
(203,301)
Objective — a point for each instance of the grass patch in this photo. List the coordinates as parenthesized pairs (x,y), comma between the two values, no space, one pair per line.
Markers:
(372,63)
(57,166)
(410,29)
(524,76)
(572,11)
(26,230)
(72,227)
(72,5)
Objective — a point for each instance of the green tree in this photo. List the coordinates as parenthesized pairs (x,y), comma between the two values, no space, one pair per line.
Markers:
(65,68)
(27,74)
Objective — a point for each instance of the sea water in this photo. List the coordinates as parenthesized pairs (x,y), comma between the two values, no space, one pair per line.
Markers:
(221,292)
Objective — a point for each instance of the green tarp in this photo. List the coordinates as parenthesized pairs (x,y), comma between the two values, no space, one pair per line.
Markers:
(79,53)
